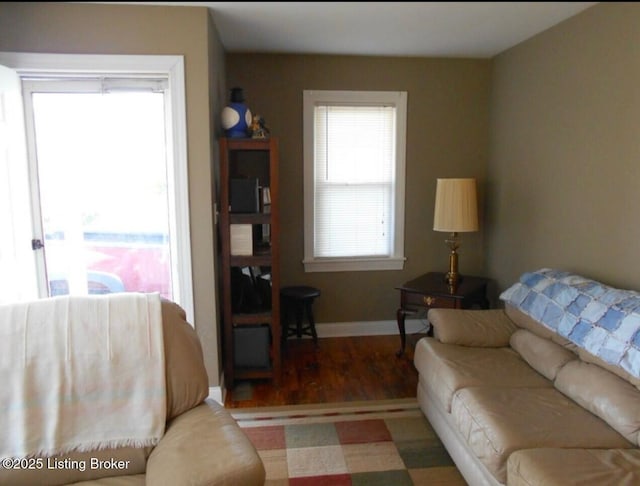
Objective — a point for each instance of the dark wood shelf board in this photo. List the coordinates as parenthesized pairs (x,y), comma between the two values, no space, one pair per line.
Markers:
(250,218)
(251,261)
(251,318)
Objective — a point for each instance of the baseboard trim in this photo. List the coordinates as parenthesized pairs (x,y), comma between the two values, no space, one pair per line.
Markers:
(369,328)
(216,393)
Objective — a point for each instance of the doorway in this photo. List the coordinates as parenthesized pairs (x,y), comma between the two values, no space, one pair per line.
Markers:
(101,192)
(107,177)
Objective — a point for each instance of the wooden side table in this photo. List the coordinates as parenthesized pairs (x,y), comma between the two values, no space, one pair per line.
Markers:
(430,291)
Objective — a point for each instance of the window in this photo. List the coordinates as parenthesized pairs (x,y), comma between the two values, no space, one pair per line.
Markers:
(354,165)
(107,174)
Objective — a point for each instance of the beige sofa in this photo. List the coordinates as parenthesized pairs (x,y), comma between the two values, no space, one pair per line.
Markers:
(202,444)
(516,403)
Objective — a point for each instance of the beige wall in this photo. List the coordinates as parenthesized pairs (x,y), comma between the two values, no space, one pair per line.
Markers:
(115,29)
(217,101)
(563,182)
(549,128)
(447,136)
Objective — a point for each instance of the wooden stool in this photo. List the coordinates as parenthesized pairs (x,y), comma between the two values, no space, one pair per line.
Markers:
(298,300)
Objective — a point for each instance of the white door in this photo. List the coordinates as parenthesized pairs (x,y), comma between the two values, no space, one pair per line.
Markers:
(107,170)
(17,265)
(101,163)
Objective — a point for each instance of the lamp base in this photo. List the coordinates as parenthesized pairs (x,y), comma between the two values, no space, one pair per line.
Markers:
(452,277)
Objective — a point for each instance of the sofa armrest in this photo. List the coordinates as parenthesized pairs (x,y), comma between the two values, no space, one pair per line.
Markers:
(205,447)
(483,328)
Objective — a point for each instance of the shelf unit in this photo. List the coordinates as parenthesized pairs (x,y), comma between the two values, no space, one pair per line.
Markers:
(250,159)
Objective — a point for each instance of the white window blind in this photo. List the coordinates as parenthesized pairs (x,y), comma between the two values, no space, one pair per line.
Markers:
(354,176)
(354,147)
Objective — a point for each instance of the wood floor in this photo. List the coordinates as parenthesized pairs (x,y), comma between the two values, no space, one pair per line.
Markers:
(337,370)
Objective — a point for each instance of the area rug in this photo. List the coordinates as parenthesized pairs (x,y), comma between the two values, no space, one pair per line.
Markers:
(376,443)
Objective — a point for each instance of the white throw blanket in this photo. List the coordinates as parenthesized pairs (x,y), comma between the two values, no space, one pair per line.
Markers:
(80,374)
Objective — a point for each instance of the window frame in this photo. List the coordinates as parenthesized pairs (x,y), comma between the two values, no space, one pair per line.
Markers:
(172,67)
(395,260)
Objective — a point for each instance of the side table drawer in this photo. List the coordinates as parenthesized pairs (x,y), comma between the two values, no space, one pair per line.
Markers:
(429,301)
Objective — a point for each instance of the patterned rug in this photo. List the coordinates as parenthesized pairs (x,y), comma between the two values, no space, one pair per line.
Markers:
(378,443)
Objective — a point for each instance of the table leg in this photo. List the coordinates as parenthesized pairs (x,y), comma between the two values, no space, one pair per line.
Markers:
(400,315)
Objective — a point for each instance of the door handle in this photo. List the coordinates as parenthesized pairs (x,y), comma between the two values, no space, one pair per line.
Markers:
(36,244)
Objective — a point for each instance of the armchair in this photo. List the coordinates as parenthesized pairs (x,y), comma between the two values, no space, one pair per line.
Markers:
(202,445)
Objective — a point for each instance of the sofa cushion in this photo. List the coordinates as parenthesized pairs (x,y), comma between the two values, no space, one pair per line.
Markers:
(529,323)
(138,480)
(574,467)
(205,446)
(587,357)
(543,355)
(448,368)
(79,466)
(484,328)
(497,421)
(614,400)
(187,380)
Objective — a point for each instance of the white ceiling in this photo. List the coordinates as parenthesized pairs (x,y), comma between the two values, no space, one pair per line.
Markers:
(449,29)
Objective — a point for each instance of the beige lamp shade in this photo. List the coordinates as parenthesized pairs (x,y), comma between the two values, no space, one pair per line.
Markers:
(456,208)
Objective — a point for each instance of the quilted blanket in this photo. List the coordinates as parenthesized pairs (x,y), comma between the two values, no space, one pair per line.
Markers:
(603,320)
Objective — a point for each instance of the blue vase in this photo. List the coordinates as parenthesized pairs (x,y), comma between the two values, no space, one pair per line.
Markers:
(236,117)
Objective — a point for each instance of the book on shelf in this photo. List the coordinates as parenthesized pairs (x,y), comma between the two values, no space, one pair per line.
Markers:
(244,195)
(266,209)
(241,236)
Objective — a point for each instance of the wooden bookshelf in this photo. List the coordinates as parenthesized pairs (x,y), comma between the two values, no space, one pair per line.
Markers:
(250,160)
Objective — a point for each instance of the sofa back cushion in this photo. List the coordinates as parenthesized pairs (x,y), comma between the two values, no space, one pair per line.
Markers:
(587,357)
(611,398)
(529,323)
(187,380)
(489,328)
(543,355)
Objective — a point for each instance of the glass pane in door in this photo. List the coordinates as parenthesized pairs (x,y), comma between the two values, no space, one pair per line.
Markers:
(102,170)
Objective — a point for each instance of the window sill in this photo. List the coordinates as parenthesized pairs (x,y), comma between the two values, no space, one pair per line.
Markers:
(353,264)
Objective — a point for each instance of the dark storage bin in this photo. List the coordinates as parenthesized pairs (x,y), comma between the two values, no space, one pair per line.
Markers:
(244,196)
(251,346)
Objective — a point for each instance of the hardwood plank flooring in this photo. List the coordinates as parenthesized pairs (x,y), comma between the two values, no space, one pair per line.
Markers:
(337,370)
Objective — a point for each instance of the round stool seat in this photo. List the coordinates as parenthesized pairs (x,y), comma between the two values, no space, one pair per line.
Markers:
(300,292)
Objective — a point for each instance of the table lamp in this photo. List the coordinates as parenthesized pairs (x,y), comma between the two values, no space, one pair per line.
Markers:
(456,211)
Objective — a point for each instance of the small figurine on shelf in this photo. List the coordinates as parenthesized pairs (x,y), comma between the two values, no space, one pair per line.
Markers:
(258,128)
